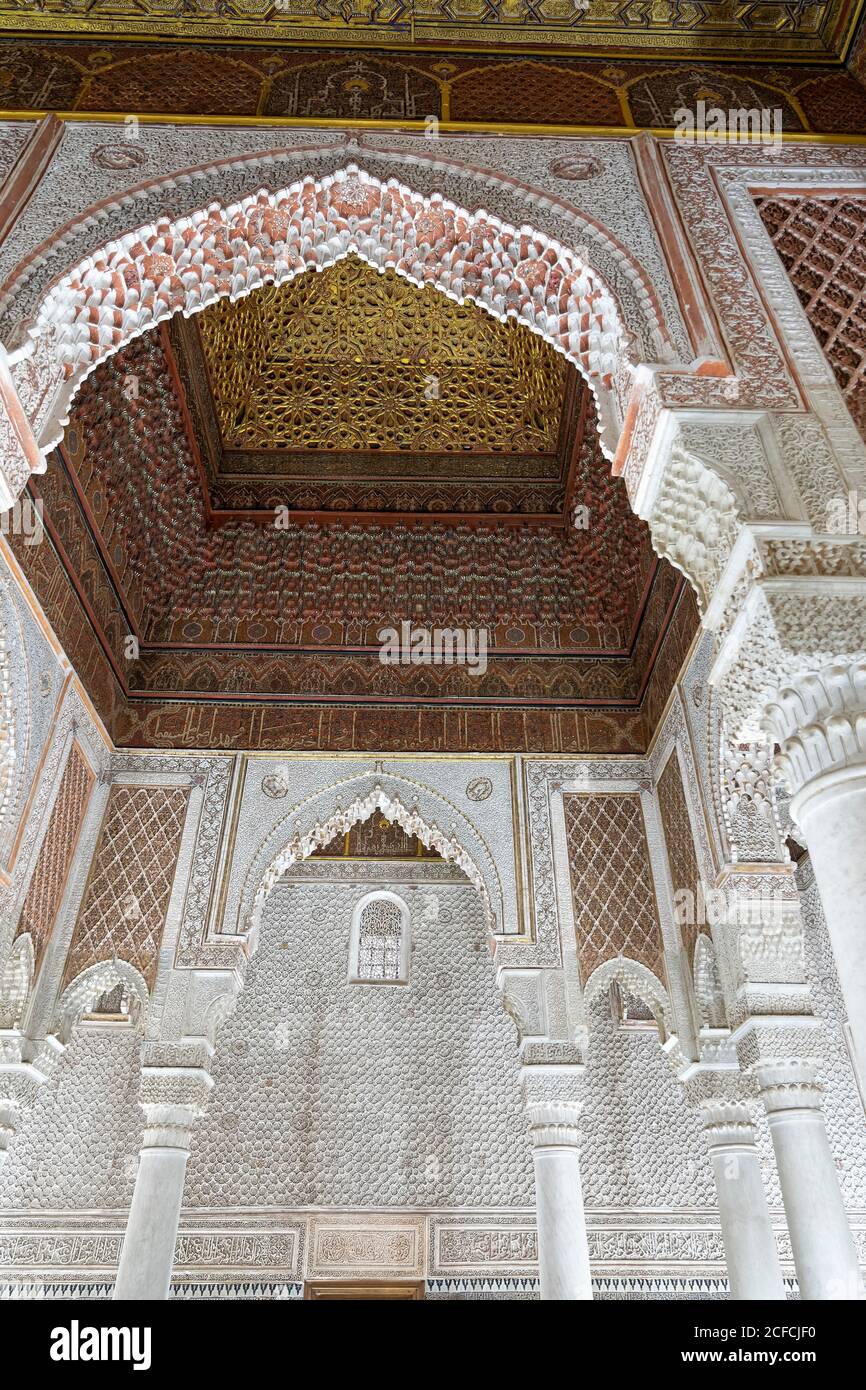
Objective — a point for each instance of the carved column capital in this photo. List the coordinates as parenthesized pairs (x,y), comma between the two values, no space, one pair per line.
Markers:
(174,1091)
(819,722)
(789,1086)
(168,1126)
(554,1124)
(553,1096)
(727,1125)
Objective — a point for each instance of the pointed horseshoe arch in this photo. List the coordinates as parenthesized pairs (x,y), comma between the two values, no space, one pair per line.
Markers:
(82,993)
(136,281)
(390,800)
(638,980)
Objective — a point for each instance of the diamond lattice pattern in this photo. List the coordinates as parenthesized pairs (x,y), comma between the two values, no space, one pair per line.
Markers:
(124,908)
(822,242)
(685,874)
(47,885)
(615,912)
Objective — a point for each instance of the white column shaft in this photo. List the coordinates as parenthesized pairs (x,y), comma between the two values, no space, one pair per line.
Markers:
(563,1251)
(832,816)
(824,1253)
(750,1245)
(147,1256)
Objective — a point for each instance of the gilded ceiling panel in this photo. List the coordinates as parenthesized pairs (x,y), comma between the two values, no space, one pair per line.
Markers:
(809,28)
(232,81)
(352,359)
(353,392)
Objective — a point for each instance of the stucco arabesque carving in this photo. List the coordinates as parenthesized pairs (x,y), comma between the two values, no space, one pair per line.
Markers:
(747,781)
(158,269)
(25,1066)
(315,822)
(785,599)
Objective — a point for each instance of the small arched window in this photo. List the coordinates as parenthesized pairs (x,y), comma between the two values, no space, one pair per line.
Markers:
(379,949)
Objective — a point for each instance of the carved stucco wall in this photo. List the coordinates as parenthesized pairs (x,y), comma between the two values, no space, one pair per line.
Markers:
(381,1095)
(642,1148)
(382,1098)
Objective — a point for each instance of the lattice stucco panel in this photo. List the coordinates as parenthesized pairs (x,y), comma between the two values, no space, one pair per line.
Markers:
(126,899)
(615,908)
(822,244)
(685,874)
(56,853)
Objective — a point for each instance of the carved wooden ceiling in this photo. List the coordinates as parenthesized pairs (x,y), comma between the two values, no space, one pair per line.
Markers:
(353,392)
(548,89)
(197,627)
(816,29)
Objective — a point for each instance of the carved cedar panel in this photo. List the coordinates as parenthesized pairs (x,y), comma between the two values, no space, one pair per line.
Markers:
(679,843)
(126,899)
(615,909)
(57,851)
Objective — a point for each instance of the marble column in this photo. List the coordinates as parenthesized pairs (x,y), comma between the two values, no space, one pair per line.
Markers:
(747,1234)
(819,723)
(824,1253)
(563,1250)
(172,1099)
(830,811)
